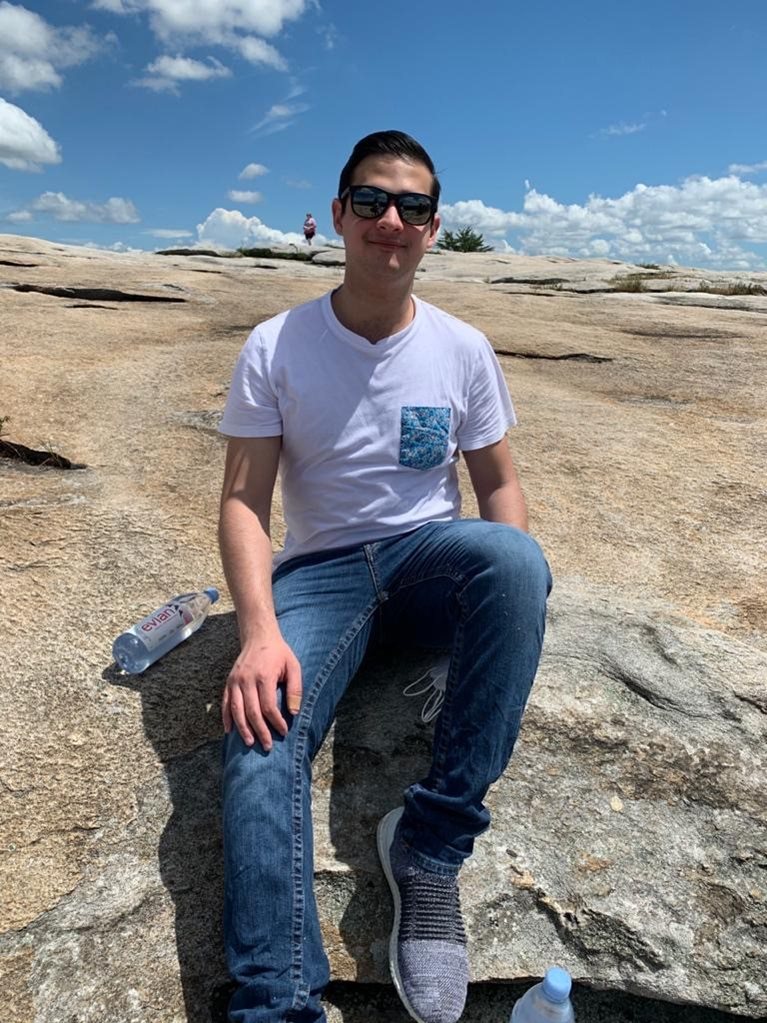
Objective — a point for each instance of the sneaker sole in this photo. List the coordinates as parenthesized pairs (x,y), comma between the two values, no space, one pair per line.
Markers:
(384,838)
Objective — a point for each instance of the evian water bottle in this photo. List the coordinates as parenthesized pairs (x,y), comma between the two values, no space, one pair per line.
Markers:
(148,640)
(547,1002)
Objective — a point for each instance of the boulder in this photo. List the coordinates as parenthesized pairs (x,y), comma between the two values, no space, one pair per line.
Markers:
(630,835)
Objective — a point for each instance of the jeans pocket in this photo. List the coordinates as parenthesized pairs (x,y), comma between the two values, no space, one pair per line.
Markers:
(424,436)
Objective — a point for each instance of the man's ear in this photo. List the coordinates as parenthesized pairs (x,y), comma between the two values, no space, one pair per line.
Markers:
(435,225)
(337,211)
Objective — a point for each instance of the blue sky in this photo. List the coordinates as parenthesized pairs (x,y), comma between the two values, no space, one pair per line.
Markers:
(632,131)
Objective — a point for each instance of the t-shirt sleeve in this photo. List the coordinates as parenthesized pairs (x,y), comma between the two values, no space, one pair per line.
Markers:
(489,410)
(252,408)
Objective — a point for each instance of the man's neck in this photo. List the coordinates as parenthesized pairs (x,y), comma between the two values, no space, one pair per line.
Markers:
(373,316)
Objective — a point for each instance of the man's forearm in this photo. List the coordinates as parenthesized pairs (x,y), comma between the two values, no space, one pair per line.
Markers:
(507,505)
(246,555)
(496,484)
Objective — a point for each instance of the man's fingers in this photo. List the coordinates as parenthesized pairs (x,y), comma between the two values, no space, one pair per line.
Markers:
(226,714)
(237,711)
(255,716)
(293,686)
(250,698)
(271,711)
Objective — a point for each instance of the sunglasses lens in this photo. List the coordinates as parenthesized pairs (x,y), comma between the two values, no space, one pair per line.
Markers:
(415,208)
(371,202)
(368,202)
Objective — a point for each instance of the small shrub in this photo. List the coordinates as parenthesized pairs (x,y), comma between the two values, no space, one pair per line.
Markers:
(195,252)
(733,289)
(629,282)
(649,266)
(3,421)
(303,257)
(465,240)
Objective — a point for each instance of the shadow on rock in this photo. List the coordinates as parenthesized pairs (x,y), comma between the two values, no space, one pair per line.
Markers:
(378,747)
(180,700)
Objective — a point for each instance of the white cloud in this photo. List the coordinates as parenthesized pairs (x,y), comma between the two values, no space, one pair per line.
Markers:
(18,216)
(300,183)
(485,219)
(296,89)
(32,51)
(253,170)
(240,25)
(330,35)
(747,168)
(599,247)
(237,196)
(92,244)
(257,51)
(186,69)
(623,129)
(164,74)
(230,229)
(279,117)
(168,232)
(60,207)
(648,119)
(24,143)
(701,221)
(210,18)
(121,247)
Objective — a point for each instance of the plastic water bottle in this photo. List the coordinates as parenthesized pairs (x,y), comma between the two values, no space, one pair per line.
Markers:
(547,1002)
(151,638)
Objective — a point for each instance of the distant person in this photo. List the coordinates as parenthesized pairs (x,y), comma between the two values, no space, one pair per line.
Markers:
(310,228)
(365,399)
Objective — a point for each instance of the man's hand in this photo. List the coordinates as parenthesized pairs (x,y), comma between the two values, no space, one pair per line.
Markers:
(250,695)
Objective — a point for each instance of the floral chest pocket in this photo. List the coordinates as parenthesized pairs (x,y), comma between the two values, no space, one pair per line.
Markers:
(424,436)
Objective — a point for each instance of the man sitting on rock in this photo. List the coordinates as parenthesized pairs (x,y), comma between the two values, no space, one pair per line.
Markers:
(365,398)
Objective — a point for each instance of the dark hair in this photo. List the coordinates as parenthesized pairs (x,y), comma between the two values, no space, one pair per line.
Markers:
(388,143)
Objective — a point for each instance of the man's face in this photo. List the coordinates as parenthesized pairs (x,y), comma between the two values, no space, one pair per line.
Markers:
(386,247)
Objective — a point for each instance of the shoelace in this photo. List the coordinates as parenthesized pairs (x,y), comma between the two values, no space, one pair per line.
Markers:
(433,682)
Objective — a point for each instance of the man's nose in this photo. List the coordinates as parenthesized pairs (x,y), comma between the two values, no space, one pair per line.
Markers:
(390,217)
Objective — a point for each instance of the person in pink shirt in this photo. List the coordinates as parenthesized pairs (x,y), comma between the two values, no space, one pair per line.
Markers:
(310,228)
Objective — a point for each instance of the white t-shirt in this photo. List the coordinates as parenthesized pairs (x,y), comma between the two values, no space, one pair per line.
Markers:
(370,432)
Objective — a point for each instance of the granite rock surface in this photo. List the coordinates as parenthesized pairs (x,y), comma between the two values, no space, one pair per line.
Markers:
(630,830)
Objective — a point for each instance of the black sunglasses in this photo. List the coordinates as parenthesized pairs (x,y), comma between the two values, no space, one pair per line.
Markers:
(371,202)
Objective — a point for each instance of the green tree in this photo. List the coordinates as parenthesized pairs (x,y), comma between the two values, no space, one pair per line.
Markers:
(465,240)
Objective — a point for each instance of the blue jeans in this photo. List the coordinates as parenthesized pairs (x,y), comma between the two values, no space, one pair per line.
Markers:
(478,588)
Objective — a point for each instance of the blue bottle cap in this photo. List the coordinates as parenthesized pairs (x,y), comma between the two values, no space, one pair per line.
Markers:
(212,593)
(557,984)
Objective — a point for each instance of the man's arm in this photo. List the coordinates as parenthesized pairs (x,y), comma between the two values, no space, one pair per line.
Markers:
(496,484)
(265,659)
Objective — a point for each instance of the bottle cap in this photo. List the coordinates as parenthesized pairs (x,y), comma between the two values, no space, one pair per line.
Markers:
(212,593)
(557,984)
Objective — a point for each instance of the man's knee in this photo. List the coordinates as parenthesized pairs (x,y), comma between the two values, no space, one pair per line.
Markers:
(249,769)
(511,554)
(525,557)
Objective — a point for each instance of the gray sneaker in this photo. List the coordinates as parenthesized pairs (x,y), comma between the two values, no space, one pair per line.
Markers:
(427,949)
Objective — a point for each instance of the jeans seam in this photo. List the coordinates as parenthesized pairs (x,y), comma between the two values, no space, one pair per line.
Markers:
(459,578)
(297,958)
(369,551)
